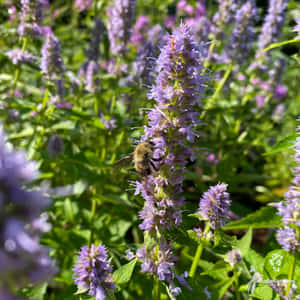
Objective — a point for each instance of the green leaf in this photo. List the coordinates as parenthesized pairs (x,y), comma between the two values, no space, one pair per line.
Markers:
(79,187)
(36,292)
(285,144)
(263,292)
(263,218)
(255,260)
(277,262)
(245,242)
(69,213)
(202,288)
(124,273)
(226,284)
(67,125)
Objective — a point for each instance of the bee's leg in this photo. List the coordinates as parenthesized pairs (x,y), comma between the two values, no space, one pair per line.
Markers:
(156,159)
(153,166)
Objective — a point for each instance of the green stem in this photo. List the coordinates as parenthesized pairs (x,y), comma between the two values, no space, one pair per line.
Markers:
(236,288)
(18,70)
(291,273)
(156,289)
(93,212)
(196,260)
(221,85)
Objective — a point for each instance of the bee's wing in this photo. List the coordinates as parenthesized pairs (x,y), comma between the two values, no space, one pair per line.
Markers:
(123,162)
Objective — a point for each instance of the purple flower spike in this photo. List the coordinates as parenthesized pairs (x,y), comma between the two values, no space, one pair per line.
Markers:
(92,272)
(23,259)
(83,5)
(52,64)
(214,205)
(162,264)
(18,56)
(31,17)
(171,128)
(289,210)
(121,17)
(243,33)
(273,23)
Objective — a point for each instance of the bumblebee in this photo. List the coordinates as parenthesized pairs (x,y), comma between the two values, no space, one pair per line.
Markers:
(144,162)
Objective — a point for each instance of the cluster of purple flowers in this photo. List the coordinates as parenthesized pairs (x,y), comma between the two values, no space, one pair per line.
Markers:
(92,272)
(273,23)
(90,68)
(171,128)
(52,64)
(83,5)
(22,257)
(243,33)
(226,13)
(289,210)
(214,205)
(121,17)
(144,65)
(31,17)
(179,87)
(160,262)
(18,56)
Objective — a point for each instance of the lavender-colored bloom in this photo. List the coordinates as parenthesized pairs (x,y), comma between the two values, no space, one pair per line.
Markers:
(93,53)
(140,29)
(286,237)
(92,271)
(273,23)
(260,100)
(23,260)
(31,17)
(83,5)
(160,263)
(52,64)
(144,65)
(171,128)
(201,28)
(55,146)
(278,112)
(214,205)
(297,28)
(243,33)
(289,210)
(280,287)
(18,56)
(120,20)
(234,257)
(92,70)
(225,14)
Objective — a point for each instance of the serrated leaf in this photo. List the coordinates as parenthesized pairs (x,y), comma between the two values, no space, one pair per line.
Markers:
(124,273)
(285,144)
(263,218)
(244,243)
